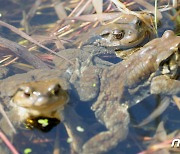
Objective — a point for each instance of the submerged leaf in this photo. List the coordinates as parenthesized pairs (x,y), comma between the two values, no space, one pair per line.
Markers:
(43,122)
(27,150)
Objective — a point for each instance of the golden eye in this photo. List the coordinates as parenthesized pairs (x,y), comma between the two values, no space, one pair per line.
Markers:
(30,121)
(139,23)
(118,34)
(56,90)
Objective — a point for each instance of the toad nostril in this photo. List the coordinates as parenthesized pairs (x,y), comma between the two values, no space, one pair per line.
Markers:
(26,94)
(27,91)
(105,35)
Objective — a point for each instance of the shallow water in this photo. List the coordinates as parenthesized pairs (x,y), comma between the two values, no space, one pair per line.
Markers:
(40,142)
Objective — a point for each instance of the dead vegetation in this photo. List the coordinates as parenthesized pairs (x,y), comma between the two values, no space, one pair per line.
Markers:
(70,20)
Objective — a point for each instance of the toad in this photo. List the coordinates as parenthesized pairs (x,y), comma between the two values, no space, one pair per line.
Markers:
(127,83)
(43,94)
(43,104)
(126,33)
(121,86)
(32,99)
(39,99)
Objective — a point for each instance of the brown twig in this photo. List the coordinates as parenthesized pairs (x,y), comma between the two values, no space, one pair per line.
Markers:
(23,52)
(8,143)
(7,119)
(24,35)
(9,57)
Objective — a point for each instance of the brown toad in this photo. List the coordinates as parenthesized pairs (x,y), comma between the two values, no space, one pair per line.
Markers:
(128,78)
(127,83)
(40,99)
(126,33)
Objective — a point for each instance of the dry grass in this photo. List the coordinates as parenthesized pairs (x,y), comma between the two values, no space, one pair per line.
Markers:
(76,17)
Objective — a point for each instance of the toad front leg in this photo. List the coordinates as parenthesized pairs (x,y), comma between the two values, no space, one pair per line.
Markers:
(116,119)
(164,85)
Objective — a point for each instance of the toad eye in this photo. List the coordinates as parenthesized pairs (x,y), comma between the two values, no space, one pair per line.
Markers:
(139,23)
(179,47)
(55,91)
(118,34)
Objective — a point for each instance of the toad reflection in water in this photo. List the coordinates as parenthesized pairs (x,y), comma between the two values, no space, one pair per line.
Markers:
(121,86)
